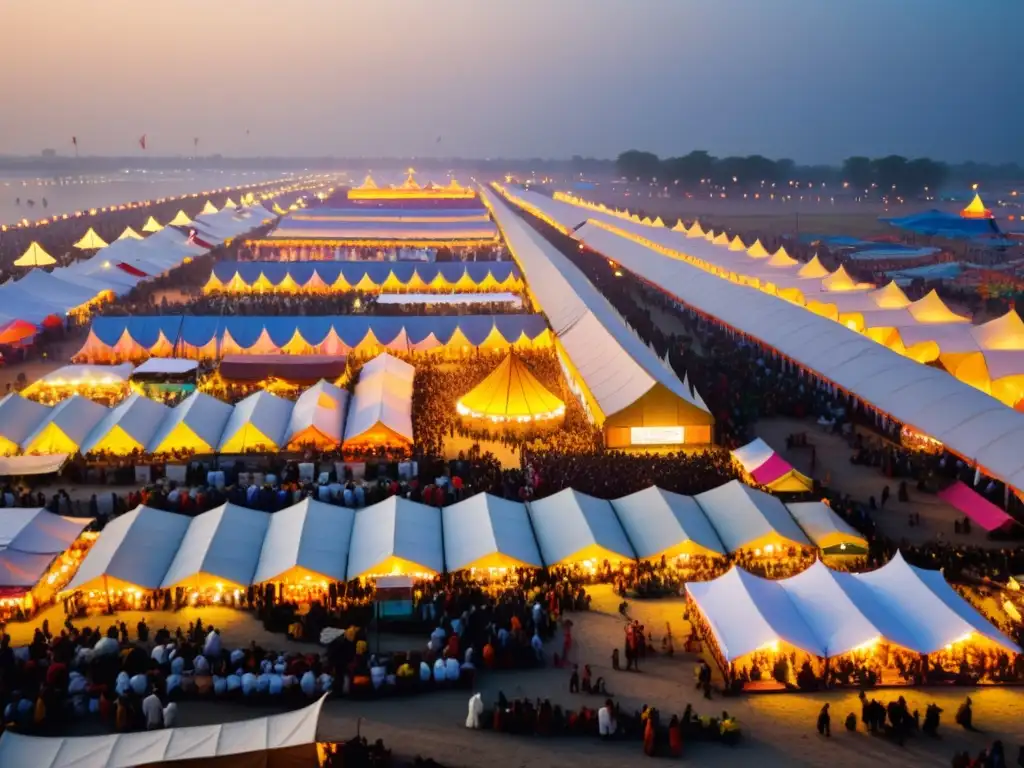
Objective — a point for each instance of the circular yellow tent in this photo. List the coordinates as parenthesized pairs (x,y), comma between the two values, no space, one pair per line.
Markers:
(511,393)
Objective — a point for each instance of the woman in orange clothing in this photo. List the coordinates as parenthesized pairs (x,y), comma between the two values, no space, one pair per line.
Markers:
(649,736)
(489,656)
(675,737)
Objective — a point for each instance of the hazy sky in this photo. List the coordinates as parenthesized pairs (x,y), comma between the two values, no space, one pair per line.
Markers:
(815,80)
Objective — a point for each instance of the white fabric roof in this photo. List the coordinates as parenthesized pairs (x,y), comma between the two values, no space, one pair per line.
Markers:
(321,406)
(820,522)
(137,416)
(20,416)
(396,527)
(205,416)
(484,525)
(224,543)
(38,531)
(616,366)
(32,465)
(265,412)
(105,374)
(75,417)
(136,548)
(310,535)
(449,298)
(753,454)
(569,522)
(127,750)
(22,569)
(167,365)
(656,520)
(742,515)
(383,395)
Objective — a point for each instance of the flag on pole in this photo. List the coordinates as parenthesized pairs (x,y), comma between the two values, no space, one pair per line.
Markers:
(142,141)
(74,140)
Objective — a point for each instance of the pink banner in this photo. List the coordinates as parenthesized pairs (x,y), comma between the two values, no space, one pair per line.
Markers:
(977,507)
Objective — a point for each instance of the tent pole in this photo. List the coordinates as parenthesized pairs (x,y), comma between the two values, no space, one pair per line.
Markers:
(106,589)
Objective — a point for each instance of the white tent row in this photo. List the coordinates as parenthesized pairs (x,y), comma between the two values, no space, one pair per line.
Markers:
(616,366)
(29,541)
(972,424)
(828,613)
(449,298)
(382,402)
(288,738)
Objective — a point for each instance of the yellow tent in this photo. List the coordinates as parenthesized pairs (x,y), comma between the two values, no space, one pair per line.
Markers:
(710,235)
(679,227)
(180,219)
(813,269)
(511,393)
(721,238)
(35,256)
(695,230)
(890,296)
(129,234)
(931,309)
(91,241)
(646,220)
(658,222)
(736,244)
(1004,333)
(152,225)
(781,259)
(208,208)
(229,203)
(757,251)
(976,209)
(840,281)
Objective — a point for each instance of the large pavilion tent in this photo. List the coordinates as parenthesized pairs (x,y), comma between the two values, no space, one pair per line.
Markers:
(511,393)
(573,527)
(195,424)
(318,416)
(19,417)
(77,374)
(274,741)
(629,386)
(968,422)
(129,426)
(764,464)
(396,536)
(486,531)
(308,541)
(749,519)
(65,427)
(661,523)
(380,411)
(827,530)
(259,422)
(221,549)
(134,551)
(29,541)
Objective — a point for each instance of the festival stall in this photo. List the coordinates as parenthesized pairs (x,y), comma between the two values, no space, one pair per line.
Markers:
(19,417)
(572,527)
(127,428)
(827,531)
(396,536)
(102,383)
(512,396)
(660,524)
(751,520)
(195,425)
(257,424)
(766,467)
(380,412)
(487,535)
(65,427)
(317,418)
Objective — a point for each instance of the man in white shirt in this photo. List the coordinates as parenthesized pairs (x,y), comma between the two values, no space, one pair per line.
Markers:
(606,720)
(171,715)
(154,712)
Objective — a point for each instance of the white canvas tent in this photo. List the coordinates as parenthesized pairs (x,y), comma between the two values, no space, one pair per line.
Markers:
(65,427)
(291,735)
(257,422)
(38,531)
(485,531)
(660,523)
(572,527)
(381,406)
(128,426)
(133,551)
(306,540)
(396,536)
(825,528)
(196,423)
(19,417)
(221,547)
(746,518)
(318,416)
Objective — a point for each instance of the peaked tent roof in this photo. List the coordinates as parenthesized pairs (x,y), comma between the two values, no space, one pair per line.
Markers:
(19,417)
(180,219)
(890,296)
(66,426)
(129,426)
(511,392)
(396,535)
(130,234)
(745,517)
(824,527)
(318,415)
(572,526)
(91,241)
(976,209)
(309,538)
(39,531)
(259,419)
(196,423)
(152,225)
(382,399)
(1005,332)
(757,251)
(660,522)
(208,209)
(220,546)
(932,309)
(486,531)
(35,256)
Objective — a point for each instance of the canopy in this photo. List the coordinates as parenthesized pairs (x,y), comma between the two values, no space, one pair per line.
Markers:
(180,219)
(396,536)
(38,531)
(294,732)
(195,424)
(152,225)
(130,234)
(220,549)
(975,506)
(157,366)
(746,518)
(258,422)
(976,209)
(768,468)
(130,426)
(826,530)
(661,523)
(573,527)
(19,417)
(309,540)
(381,407)
(133,551)
(511,393)
(318,416)
(16,466)
(65,427)
(208,208)
(35,256)
(91,241)
(485,531)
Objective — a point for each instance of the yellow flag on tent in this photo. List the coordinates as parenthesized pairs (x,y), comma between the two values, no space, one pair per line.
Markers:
(129,234)
(229,203)
(152,225)
(91,241)
(35,256)
(209,208)
(180,219)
